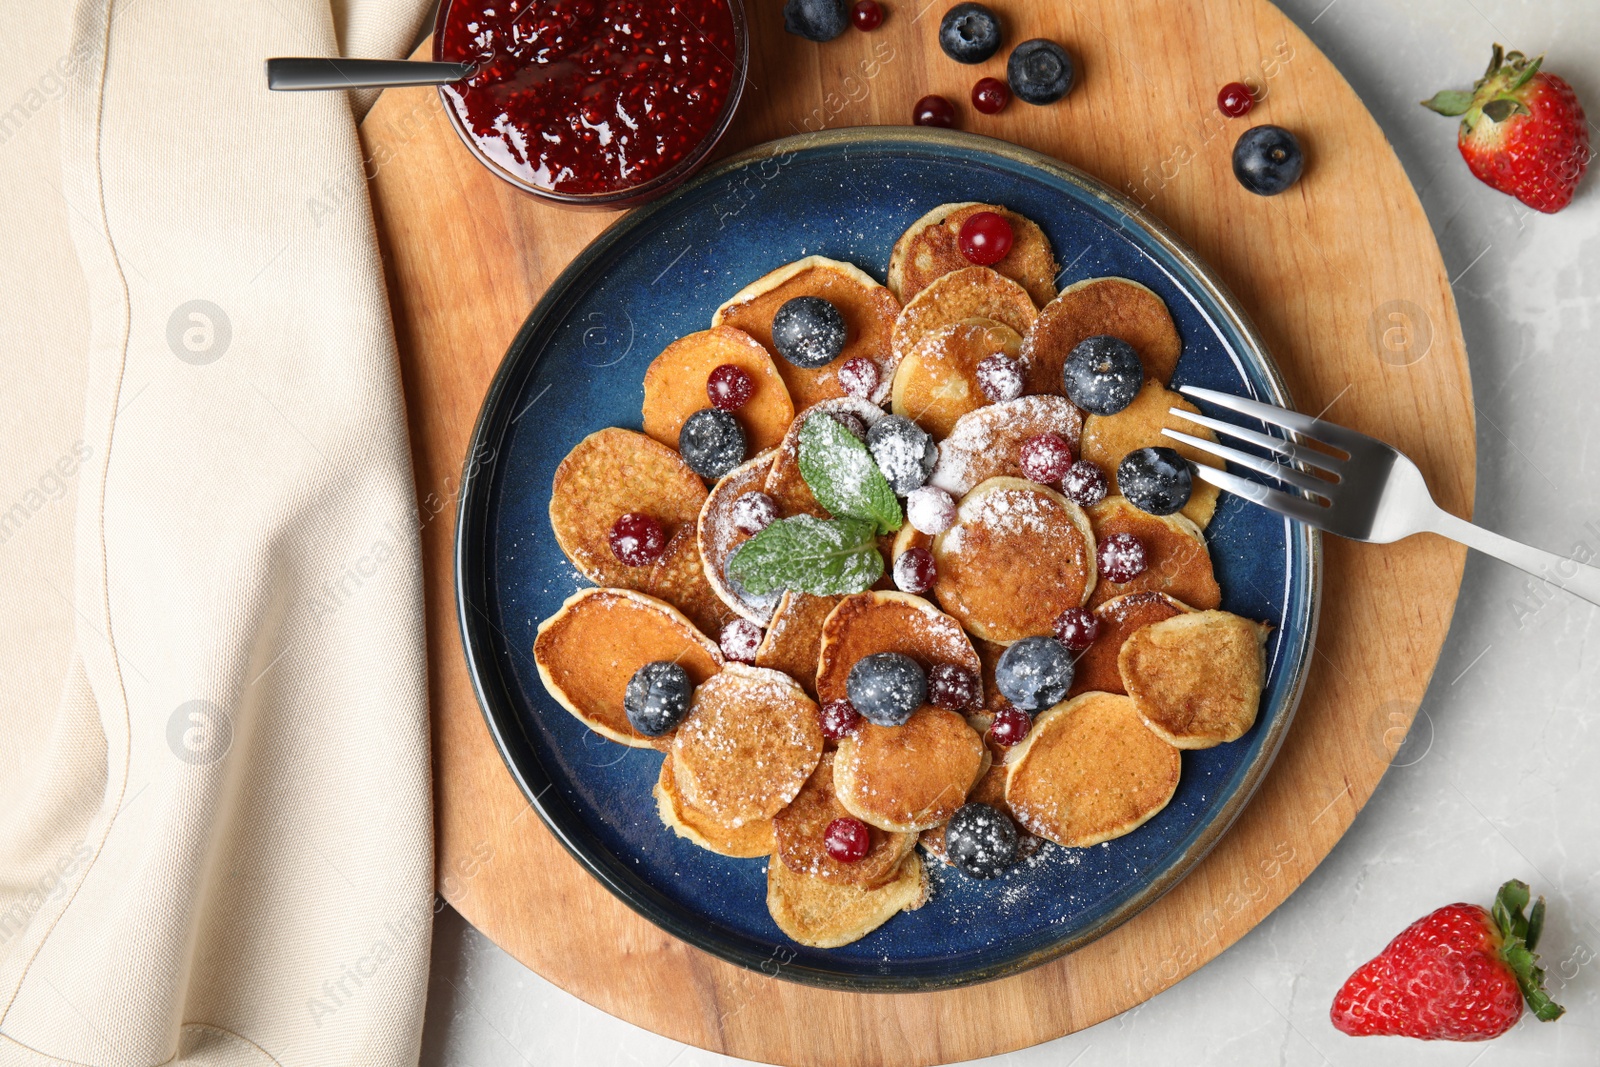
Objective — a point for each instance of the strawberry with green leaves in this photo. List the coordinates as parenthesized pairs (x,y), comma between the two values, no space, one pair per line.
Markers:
(1522,132)
(1459,974)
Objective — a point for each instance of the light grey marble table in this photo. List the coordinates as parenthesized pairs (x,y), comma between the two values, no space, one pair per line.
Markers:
(1499,778)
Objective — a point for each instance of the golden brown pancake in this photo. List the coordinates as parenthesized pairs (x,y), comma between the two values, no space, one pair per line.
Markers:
(989,653)
(908,778)
(679,578)
(675,387)
(718,536)
(826,914)
(801,831)
(1108,438)
(794,638)
(750,741)
(931,249)
(587,652)
(754,838)
(868,308)
(1196,679)
(1177,561)
(990,790)
(785,484)
(1097,669)
(937,381)
(969,293)
(1019,555)
(1090,771)
(986,443)
(907,538)
(1101,306)
(887,621)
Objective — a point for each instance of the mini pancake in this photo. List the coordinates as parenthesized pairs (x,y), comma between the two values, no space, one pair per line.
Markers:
(785,484)
(587,652)
(986,443)
(931,248)
(801,830)
(989,654)
(825,914)
(750,741)
(990,790)
(679,578)
(1108,438)
(718,537)
(868,308)
(937,381)
(907,538)
(794,637)
(887,621)
(1097,669)
(908,778)
(1019,554)
(753,839)
(1177,561)
(969,293)
(1101,306)
(675,387)
(1090,771)
(1196,679)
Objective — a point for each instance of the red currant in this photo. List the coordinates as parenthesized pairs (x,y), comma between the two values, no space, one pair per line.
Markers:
(1121,557)
(852,422)
(730,388)
(637,539)
(754,512)
(1045,458)
(848,840)
(1077,628)
(991,95)
(1085,484)
(739,640)
(859,377)
(1235,99)
(986,238)
(914,571)
(934,111)
(950,686)
(930,510)
(1010,726)
(839,719)
(867,14)
(999,378)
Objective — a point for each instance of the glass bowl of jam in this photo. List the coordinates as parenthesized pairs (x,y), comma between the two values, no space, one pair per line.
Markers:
(593,103)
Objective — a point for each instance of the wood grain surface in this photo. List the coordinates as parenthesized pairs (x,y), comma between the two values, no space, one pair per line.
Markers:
(1341,275)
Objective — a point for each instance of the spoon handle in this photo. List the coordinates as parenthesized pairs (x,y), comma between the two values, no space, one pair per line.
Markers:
(294,74)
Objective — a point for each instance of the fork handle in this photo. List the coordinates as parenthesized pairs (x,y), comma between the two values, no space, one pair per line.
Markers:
(1563,572)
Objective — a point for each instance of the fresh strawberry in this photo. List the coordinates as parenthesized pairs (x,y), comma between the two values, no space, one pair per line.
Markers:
(1459,974)
(1522,131)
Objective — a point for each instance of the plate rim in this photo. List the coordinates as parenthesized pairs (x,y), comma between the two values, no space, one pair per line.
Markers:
(640,898)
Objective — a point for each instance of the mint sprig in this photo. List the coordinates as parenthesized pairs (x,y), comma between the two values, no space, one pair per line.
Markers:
(824,557)
(843,476)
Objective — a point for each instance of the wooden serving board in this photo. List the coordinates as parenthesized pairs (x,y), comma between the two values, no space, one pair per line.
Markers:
(1341,275)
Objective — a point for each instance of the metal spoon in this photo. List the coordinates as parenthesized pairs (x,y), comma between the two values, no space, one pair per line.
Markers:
(295,74)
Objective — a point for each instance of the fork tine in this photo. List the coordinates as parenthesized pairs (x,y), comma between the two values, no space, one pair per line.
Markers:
(1295,507)
(1317,429)
(1284,448)
(1258,464)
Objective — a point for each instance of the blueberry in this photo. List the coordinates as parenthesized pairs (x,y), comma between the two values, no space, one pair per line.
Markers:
(1267,160)
(808,332)
(1040,71)
(816,20)
(1034,673)
(981,840)
(1156,480)
(904,451)
(711,442)
(886,688)
(657,697)
(969,33)
(1103,375)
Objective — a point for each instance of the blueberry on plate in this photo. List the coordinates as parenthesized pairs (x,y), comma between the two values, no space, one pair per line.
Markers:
(816,20)
(969,33)
(1102,375)
(886,687)
(905,452)
(1040,71)
(1157,480)
(657,697)
(808,331)
(1034,673)
(981,840)
(1267,160)
(711,442)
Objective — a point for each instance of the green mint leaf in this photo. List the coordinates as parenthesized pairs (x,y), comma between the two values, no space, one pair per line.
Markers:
(843,476)
(824,557)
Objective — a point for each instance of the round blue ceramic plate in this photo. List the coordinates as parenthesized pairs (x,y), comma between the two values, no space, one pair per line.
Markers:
(577,366)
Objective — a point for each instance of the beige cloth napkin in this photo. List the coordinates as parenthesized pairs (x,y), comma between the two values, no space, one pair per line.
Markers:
(215,837)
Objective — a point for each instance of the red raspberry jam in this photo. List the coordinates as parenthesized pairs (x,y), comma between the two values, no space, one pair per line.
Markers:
(583,97)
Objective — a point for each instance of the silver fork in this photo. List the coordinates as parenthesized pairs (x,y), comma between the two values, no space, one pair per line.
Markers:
(1375,493)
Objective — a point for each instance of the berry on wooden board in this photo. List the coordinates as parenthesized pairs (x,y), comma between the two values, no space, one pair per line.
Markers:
(991,95)
(815,20)
(1267,160)
(934,110)
(1235,100)
(867,14)
(969,33)
(1040,71)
